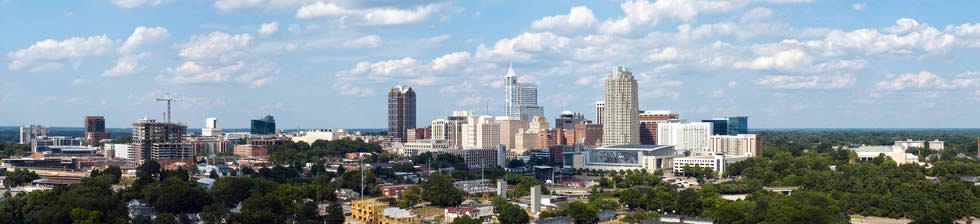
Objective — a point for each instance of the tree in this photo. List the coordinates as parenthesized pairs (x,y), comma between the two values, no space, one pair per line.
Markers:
(141,219)
(214,213)
(175,196)
(440,191)
(582,213)
(409,198)
(511,214)
(19,177)
(165,218)
(85,216)
(148,168)
(465,220)
(335,213)
(307,213)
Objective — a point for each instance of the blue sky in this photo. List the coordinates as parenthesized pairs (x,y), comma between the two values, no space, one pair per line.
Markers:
(329,63)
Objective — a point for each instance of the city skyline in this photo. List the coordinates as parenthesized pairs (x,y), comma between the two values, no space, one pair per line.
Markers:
(906,65)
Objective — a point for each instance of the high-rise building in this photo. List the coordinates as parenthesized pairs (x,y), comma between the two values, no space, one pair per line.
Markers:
(648,124)
(538,124)
(509,127)
(264,126)
(451,128)
(600,109)
(28,133)
(211,128)
(692,136)
(739,145)
(719,125)
(738,125)
(568,120)
(95,129)
(401,112)
(521,99)
(480,132)
(163,140)
(593,133)
(620,120)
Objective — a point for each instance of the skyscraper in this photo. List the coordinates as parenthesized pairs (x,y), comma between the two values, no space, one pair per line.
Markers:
(401,112)
(719,126)
(264,126)
(28,133)
(738,125)
(568,120)
(600,109)
(95,129)
(620,120)
(648,124)
(521,99)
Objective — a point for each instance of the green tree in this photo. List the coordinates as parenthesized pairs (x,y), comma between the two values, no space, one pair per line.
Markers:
(582,213)
(335,214)
(440,191)
(85,216)
(165,218)
(465,220)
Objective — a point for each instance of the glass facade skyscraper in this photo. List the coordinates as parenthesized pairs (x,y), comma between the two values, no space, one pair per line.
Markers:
(521,99)
(264,126)
(719,126)
(738,125)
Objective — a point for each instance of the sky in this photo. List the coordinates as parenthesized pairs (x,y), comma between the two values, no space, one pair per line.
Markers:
(330,63)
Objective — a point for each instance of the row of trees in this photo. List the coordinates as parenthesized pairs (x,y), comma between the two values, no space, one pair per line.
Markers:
(298,153)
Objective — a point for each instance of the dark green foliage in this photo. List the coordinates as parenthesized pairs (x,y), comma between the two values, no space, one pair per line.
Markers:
(176,196)
(113,171)
(302,152)
(465,220)
(508,213)
(582,213)
(440,191)
(165,218)
(335,213)
(19,177)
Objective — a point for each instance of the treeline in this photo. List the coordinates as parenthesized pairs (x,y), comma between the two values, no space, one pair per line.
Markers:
(298,153)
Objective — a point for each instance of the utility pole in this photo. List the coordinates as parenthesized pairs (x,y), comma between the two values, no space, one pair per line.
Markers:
(361,166)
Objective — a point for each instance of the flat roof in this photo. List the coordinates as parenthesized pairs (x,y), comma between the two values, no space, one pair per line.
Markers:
(635,147)
(873,148)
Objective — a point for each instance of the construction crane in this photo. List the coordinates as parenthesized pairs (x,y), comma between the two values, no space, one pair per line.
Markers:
(169,99)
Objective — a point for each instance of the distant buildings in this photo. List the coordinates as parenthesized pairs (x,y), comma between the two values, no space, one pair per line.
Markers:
(600,109)
(95,129)
(620,119)
(395,191)
(521,99)
(401,112)
(717,162)
(623,157)
(895,152)
(28,133)
(739,145)
(729,125)
(264,126)
(211,128)
(691,136)
(480,132)
(451,128)
(568,120)
(423,146)
(933,145)
(41,144)
(649,121)
(158,139)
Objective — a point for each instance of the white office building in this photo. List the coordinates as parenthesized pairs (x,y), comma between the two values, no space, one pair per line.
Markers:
(118,151)
(311,136)
(30,132)
(693,136)
(716,161)
(422,146)
(620,120)
(480,132)
(600,108)
(451,128)
(211,128)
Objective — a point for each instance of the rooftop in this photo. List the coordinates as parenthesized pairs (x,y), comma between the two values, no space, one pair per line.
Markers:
(873,148)
(637,147)
(397,212)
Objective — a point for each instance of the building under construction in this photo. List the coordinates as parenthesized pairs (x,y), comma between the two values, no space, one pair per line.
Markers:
(159,140)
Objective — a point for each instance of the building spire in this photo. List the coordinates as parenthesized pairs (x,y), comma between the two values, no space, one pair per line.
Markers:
(510,70)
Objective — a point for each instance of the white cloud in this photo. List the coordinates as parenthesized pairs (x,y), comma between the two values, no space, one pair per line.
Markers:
(732,84)
(717,93)
(755,15)
(381,71)
(434,40)
(807,82)
(666,54)
(370,16)
(347,89)
(127,64)
(450,59)
(859,6)
(232,5)
(143,35)
(577,18)
(906,37)
(785,60)
(560,100)
(268,29)
(369,41)
(516,48)
(928,80)
(215,45)
(79,81)
(50,53)
(470,101)
(136,3)
(640,13)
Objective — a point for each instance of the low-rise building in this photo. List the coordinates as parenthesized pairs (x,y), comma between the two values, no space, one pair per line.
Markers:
(624,157)
(368,211)
(397,216)
(251,150)
(423,145)
(717,162)
(896,153)
(396,190)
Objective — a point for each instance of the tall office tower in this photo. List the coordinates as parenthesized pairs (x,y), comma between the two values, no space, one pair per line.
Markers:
(450,129)
(211,128)
(621,122)
(648,124)
(30,132)
(509,127)
(264,126)
(738,125)
(568,120)
(692,136)
(95,129)
(719,125)
(600,109)
(401,112)
(155,140)
(521,99)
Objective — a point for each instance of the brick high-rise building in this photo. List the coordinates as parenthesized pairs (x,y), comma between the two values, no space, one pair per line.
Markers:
(648,124)
(95,129)
(401,113)
(620,120)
